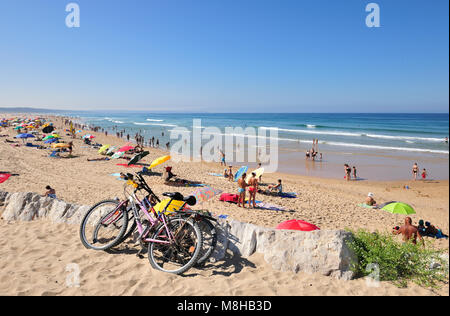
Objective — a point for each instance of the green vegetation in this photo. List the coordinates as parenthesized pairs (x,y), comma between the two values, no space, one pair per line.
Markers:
(396,261)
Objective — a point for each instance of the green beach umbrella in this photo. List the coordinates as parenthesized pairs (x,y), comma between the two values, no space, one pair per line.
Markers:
(399,208)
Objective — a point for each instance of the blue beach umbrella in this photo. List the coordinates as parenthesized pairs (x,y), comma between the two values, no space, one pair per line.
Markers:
(25,136)
(51,140)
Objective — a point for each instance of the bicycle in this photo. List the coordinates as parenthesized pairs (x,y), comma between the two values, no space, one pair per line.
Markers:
(174,241)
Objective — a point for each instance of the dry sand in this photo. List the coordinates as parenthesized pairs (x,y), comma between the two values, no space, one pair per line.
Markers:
(34,255)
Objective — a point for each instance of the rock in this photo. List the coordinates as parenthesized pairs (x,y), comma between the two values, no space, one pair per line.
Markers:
(321,251)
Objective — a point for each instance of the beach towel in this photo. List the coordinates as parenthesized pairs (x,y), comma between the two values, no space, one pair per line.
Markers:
(54,155)
(290,195)
(366,206)
(4,177)
(271,207)
(216,175)
(128,166)
(228,197)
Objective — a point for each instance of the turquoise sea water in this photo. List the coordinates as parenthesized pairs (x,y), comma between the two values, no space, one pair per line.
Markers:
(413,133)
(382,146)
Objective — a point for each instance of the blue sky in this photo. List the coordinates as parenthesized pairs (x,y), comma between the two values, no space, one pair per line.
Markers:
(226,56)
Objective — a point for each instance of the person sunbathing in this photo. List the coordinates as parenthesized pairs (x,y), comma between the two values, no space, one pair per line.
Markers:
(277,188)
(370,201)
(434,232)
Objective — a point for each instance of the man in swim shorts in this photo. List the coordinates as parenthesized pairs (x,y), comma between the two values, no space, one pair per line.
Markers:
(415,170)
(51,193)
(241,190)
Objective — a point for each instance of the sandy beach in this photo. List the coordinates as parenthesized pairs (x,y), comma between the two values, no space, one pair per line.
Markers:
(35,255)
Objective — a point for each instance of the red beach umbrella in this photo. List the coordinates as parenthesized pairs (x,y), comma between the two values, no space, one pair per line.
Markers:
(126,148)
(295,224)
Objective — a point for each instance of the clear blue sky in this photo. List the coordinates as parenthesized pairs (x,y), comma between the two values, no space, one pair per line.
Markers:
(226,55)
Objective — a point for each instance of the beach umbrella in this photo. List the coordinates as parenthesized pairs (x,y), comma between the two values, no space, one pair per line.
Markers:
(399,208)
(103,149)
(50,137)
(18,127)
(126,148)
(48,129)
(138,157)
(51,141)
(111,150)
(88,136)
(25,136)
(159,161)
(4,177)
(118,155)
(205,193)
(295,224)
(60,145)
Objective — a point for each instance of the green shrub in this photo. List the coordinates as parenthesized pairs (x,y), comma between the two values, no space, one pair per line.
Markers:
(398,262)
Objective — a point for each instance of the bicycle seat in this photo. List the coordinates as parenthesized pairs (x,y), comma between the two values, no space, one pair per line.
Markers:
(191,200)
(174,195)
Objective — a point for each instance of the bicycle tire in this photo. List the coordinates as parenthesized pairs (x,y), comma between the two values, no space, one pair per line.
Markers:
(118,239)
(153,246)
(209,240)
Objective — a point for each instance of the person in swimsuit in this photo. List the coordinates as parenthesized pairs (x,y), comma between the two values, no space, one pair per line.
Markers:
(348,172)
(253,188)
(242,186)
(51,193)
(230,174)
(409,232)
(307,154)
(277,188)
(370,201)
(222,160)
(354,173)
(415,170)
(424,174)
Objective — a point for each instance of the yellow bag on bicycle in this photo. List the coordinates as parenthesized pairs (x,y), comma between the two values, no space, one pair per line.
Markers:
(173,207)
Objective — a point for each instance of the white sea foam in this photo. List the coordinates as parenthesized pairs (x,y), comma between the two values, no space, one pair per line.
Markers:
(153,120)
(349,134)
(154,124)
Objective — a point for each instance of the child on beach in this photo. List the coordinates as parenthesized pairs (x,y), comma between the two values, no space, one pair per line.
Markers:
(424,174)
(241,190)
(354,173)
(253,188)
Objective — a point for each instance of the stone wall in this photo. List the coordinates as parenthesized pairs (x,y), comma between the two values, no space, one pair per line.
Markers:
(322,251)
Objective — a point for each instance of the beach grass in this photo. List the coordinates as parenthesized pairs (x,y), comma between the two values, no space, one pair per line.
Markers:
(380,255)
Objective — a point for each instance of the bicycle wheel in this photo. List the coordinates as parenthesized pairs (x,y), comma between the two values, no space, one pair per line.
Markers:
(180,255)
(131,226)
(104,225)
(209,240)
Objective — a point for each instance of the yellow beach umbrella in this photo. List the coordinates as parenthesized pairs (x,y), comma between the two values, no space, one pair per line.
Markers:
(259,172)
(159,161)
(103,149)
(60,145)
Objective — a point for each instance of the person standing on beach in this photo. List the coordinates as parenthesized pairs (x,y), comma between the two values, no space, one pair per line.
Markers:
(252,189)
(424,174)
(354,173)
(415,171)
(230,173)
(348,172)
(222,160)
(241,190)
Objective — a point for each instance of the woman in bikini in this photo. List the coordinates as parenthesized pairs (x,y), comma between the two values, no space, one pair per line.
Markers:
(415,170)
(253,188)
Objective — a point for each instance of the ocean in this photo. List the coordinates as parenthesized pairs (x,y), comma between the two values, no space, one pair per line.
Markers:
(418,137)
